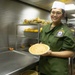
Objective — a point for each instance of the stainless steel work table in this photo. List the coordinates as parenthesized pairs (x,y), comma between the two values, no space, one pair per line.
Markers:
(12,63)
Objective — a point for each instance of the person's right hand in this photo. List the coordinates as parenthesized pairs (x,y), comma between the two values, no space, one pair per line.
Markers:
(47,53)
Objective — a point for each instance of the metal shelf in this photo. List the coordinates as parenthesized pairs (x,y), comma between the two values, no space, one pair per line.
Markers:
(26,38)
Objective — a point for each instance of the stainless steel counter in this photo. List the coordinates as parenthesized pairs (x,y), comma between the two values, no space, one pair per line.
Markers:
(11,62)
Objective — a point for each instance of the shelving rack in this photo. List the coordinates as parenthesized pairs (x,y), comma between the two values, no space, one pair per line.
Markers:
(25,38)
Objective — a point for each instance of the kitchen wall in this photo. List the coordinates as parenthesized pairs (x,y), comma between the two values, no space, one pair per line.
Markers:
(12,13)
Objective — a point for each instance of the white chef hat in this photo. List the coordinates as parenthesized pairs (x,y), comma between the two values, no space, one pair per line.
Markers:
(58,4)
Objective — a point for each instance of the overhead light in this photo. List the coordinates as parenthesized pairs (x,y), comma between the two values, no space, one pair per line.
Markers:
(72,19)
(70,7)
(73,15)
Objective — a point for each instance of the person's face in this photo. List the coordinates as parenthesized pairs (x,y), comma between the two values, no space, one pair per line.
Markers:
(56,15)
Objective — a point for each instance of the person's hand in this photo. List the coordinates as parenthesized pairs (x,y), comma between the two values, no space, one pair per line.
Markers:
(47,53)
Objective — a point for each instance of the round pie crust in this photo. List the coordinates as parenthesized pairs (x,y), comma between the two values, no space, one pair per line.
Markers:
(39,49)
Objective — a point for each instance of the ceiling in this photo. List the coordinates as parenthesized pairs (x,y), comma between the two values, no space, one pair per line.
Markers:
(46,5)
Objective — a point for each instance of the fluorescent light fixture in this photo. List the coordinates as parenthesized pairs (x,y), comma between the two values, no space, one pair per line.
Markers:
(71,19)
(70,7)
(73,15)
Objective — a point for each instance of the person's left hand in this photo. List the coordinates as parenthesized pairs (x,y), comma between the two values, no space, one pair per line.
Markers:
(47,53)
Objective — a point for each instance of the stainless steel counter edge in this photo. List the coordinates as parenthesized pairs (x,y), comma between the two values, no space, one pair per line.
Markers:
(18,71)
(12,63)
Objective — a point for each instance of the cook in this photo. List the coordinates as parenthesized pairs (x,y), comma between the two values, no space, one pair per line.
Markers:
(61,42)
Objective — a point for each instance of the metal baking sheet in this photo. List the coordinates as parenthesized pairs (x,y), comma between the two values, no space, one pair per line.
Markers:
(11,61)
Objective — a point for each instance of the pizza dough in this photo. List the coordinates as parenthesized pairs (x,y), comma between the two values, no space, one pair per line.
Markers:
(39,49)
